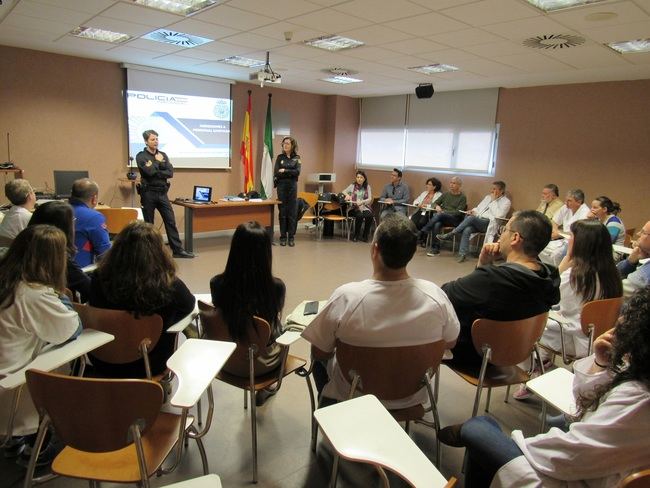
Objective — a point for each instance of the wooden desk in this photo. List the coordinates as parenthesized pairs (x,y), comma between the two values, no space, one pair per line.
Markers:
(223,216)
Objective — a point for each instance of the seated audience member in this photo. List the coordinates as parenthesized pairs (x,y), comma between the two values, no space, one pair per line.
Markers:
(91,234)
(550,202)
(426,199)
(587,273)
(60,215)
(606,211)
(522,287)
(481,218)
(34,312)
(448,213)
(389,309)
(19,192)
(246,288)
(573,209)
(359,198)
(138,274)
(636,276)
(394,195)
(608,439)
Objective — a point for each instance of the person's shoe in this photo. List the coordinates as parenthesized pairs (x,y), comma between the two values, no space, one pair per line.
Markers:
(283,241)
(45,457)
(14,447)
(461,258)
(450,436)
(522,393)
(423,243)
(292,242)
(183,254)
(445,237)
(355,238)
(262,396)
(433,252)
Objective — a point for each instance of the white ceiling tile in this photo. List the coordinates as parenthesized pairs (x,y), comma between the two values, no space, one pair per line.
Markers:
(533,63)
(381,11)
(115,25)
(415,46)
(253,41)
(486,67)
(298,33)
(625,12)
(501,48)
(327,3)
(85,45)
(644,4)
(140,15)
(525,28)
(176,60)
(638,58)
(448,56)
(376,34)
(427,24)
(221,47)
(19,37)
(277,9)
(205,55)
(491,12)
(40,25)
(299,51)
(330,21)
(233,18)
(276,58)
(616,33)
(404,61)
(156,47)
(202,29)
(465,37)
(370,53)
(88,6)
(50,12)
(441,4)
(589,55)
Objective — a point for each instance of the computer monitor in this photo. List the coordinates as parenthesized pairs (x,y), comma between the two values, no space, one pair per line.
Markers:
(202,194)
(63,181)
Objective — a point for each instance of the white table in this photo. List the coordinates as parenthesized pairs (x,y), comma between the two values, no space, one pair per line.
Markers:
(362,430)
(297,318)
(555,388)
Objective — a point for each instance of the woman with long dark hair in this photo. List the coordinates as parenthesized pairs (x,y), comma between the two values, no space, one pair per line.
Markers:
(248,288)
(138,274)
(587,273)
(285,175)
(424,201)
(359,197)
(34,310)
(607,442)
(606,211)
(60,215)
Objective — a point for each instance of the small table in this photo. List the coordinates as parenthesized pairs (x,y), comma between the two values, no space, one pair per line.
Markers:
(555,388)
(224,215)
(297,320)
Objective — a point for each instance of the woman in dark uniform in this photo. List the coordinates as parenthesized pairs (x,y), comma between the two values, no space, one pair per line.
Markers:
(285,175)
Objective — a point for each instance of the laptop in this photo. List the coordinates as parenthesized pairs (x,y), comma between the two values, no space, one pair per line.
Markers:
(202,194)
(63,181)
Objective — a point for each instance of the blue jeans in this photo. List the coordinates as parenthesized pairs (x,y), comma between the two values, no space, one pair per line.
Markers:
(436,223)
(488,449)
(470,225)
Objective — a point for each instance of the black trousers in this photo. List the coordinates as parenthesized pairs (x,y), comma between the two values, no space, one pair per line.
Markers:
(152,200)
(362,219)
(288,195)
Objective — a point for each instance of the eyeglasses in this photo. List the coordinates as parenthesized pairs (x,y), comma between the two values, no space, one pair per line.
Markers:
(505,228)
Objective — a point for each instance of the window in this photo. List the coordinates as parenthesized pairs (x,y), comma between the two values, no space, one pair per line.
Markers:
(451,132)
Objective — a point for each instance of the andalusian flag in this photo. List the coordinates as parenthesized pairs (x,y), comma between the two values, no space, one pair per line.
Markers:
(266,175)
(246,149)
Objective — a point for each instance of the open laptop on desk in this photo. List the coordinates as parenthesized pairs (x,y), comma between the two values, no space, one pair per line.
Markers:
(202,195)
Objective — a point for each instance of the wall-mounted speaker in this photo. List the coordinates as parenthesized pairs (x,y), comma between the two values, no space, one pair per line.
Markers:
(424,90)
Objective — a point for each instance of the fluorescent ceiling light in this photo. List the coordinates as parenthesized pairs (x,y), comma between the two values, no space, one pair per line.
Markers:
(627,47)
(341,80)
(552,5)
(241,61)
(434,68)
(176,38)
(181,7)
(333,43)
(100,35)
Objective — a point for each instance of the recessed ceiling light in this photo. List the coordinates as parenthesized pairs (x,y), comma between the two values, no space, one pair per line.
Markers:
(176,38)
(241,61)
(627,47)
(333,43)
(434,68)
(552,5)
(181,7)
(341,80)
(100,35)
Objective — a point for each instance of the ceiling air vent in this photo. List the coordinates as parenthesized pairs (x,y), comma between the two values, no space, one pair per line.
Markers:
(554,41)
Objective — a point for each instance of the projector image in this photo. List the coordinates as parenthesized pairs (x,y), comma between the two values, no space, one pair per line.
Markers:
(266,76)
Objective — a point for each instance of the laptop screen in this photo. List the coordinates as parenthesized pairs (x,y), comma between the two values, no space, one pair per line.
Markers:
(202,194)
(63,181)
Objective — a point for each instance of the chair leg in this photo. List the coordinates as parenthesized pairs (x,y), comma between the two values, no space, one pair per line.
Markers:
(382,475)
(198,413)
(487,400)
(335,470)
(246,400)
(407,427)
(505,400)
(254,433)
(312,401)
(36,450)
(436,385)
(204,457)
(479,387)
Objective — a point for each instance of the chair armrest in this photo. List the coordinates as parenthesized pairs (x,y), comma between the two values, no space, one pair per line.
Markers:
(288,338)
(196,363)
(183,323)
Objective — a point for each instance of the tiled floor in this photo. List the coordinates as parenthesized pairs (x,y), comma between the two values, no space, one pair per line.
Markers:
(311,270)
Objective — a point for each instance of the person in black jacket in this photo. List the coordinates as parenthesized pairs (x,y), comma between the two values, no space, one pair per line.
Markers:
(155,168)
(285,176)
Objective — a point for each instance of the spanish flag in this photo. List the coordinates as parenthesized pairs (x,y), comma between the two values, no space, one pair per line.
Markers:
(247,148)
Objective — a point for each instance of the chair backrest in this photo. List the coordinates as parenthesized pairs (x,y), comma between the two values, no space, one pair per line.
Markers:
(310,197)
(91,414)
(629,235)
(389,373)
(640,479)
(130,332)
(601,314)
(216,329)
(511,341)
(118,218)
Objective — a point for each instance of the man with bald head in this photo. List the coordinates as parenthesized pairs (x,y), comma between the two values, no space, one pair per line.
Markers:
(635,275)
(91,235)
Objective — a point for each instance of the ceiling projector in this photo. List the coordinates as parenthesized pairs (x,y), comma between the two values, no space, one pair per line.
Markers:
(266,76)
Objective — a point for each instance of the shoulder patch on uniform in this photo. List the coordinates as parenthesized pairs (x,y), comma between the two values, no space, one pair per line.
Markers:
(148,163)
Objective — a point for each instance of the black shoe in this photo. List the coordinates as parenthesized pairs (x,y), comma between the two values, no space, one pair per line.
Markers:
(355,238)
(14,447)
(45,457)
(450,436)
(433,252)
(262,396)
(292,243)
(445,237)
(461,258)
(183,254)
(283,241)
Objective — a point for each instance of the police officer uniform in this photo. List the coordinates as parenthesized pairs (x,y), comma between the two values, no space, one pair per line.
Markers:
(287,185)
